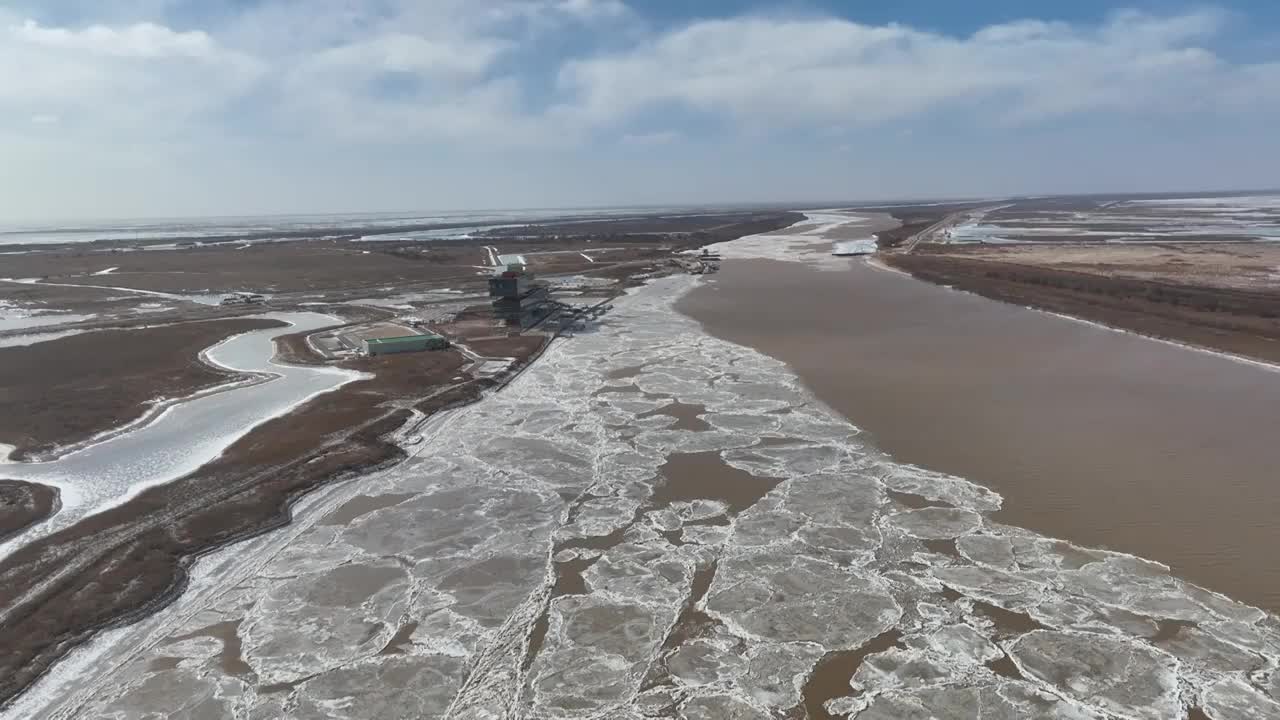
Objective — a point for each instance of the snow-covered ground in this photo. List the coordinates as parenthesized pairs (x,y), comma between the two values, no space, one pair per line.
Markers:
(1246,218)
(806,242)
(429,590)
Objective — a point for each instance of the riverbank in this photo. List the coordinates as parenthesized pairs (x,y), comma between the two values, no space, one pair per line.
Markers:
(1169,305)
(1104,439)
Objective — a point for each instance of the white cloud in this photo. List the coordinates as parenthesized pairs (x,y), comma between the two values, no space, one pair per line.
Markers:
(401,52)
(663,137)
(592,8)
(141,76)
(556,85)
(143,40)
(809,71)
(404,70)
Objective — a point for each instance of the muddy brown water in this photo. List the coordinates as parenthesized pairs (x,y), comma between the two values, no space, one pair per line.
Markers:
(687,416)
(706,476)
(830,678)
(1101,438)
(363,505)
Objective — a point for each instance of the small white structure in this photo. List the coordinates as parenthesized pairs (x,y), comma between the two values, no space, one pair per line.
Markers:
(243,298)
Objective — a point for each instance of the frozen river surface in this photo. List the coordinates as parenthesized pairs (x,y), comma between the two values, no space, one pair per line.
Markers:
(184,435)
(651,522)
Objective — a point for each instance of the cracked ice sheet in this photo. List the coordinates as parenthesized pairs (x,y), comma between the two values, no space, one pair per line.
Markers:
(445,604)
(806,242)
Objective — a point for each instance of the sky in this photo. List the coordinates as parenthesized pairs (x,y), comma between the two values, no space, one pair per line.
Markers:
(167,108)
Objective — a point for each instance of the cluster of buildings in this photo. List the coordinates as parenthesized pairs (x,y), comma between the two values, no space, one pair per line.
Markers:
(243,298)
(518,301)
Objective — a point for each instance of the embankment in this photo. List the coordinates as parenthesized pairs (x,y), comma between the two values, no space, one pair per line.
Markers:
(1241,322)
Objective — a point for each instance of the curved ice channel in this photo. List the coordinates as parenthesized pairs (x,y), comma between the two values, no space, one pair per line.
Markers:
(577,546)
(187,433)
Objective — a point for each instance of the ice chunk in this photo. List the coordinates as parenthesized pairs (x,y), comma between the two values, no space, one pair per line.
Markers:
(396,687)
(776,672)
(756,424)
(721,707)
(936,523)
(960,644)
(703,662)
(897,668)
(175,693)
(942,703)
(1235,699)
(346,612)
(650,572)
(594,654)
(1119,676)
(785,597)
(1202,651)
(989,583)
(937,486)
(993,550)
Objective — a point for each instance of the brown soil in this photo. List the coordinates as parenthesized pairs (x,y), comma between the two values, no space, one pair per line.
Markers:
(70,389)
(1243,322)
(24,504)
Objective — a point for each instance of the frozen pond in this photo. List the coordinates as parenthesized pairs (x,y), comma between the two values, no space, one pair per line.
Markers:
(1132,221)
(186,434)
(651,522)
(18,317)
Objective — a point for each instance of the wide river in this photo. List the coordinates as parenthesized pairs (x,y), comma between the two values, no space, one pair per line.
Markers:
(1102,438)
(655,522)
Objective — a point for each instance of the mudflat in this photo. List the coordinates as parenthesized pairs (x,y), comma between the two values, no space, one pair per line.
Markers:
(1102,438)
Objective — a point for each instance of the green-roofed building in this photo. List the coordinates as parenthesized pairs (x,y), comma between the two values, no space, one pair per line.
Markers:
(408,343)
